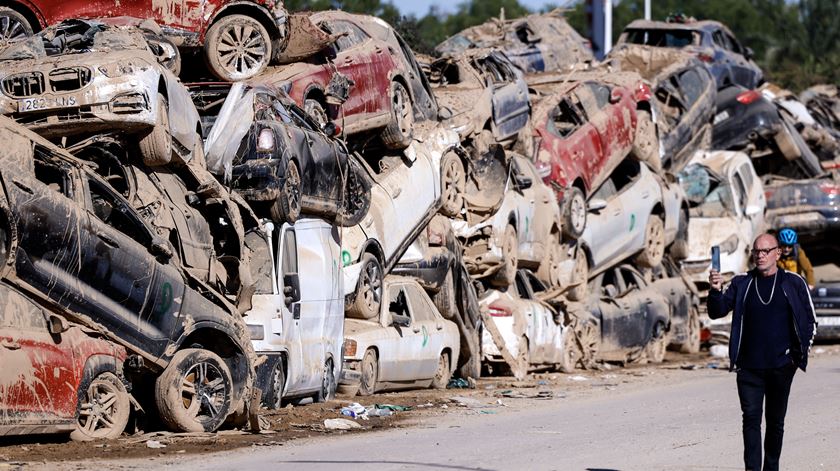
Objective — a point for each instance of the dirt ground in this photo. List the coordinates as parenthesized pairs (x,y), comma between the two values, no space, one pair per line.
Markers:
(489,396)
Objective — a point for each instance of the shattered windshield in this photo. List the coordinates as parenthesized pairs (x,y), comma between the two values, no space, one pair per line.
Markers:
(74,37)
(707,194)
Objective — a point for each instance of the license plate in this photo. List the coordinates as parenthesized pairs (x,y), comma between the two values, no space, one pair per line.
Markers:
(720,117)
(43,103)
(825,320)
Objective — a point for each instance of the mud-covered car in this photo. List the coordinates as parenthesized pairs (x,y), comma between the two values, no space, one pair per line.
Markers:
(826,298)
(361,81)
(57,376)
(634,213)
(280,160)
(69,238)
(633,320)
(811,207)
(711,41)
(726,208)
(581,130)
(238,37)
(408,344)
(823,101)
(748,121)
(78,78)
(485,91)
(685,97)
(672,282)
(536,43)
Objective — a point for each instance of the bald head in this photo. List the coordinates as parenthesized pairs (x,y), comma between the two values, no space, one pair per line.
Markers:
(765,238)
(766,254)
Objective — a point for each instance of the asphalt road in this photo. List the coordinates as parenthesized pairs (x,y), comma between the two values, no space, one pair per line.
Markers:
(690,425)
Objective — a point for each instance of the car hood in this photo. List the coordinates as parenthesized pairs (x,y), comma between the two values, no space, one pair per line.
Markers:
(703,233)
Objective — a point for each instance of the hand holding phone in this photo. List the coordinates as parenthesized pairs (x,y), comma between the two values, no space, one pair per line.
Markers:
(716,258)
(715,279)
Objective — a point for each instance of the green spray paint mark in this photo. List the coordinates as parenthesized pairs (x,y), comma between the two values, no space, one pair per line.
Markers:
(425,336)
(632,222)
(527,223)
(345,257)
(165,301)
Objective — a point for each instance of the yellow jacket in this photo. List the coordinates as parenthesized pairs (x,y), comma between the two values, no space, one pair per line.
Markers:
(801,265)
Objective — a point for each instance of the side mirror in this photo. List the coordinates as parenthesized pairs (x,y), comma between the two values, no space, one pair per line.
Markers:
(596,205)
(399,320)
(291,288)
(522,182)
(160,248)
(57,324)
(331,129)
(615,96)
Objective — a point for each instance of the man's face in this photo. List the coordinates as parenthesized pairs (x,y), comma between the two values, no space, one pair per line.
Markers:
(765,253)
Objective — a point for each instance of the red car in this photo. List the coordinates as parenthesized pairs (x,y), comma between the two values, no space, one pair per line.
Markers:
(239,37)
(362,81)
(582,131)
(55,377)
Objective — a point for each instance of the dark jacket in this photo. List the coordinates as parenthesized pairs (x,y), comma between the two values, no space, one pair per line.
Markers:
(798,297)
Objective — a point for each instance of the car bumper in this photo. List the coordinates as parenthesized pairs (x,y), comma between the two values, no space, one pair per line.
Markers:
(809,222)
(257,180)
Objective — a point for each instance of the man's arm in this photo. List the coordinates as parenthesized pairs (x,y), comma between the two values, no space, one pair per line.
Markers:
(719,302)
(806,268)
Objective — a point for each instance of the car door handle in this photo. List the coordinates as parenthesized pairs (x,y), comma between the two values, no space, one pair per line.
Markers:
(645,194)
(416,330)
(23,186)
(439,326)
(108,240)
(397,191)
(348,60)
(648,301)
(616,212)
(378,50)
(11,345)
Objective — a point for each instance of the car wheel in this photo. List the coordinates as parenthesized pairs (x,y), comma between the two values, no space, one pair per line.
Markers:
(574,213)
(355,201)
(510,258)
(692,343)
(398,133)
(287,206)
(443,373)
(580,277)
(13,26)
(590,343)
(237,47)
(328,384)
(454,184)
(370,373)
(368,289)
(103,410)
(679,249)
(471,368)
(276,385)
(444,299)
(569,355)
(194,392)
(655,349)
(156,145)
(651,254)
(316,111)
(551,269)
(645,143)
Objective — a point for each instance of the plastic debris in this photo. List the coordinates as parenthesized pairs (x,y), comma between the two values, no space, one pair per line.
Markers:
(578,378)
(340,424)
(467,402)
(458,383)
(154,444)
(394,408)
(719,351)
(355,410)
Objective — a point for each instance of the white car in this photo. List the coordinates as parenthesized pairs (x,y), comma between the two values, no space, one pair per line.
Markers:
(297,313)
(409,344)
(531,332)
(525,231)
(727,207)
(633,213)
(406,193)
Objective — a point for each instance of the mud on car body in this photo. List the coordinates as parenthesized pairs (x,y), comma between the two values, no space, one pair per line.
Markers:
(810,207)
(72,240)
(83,77)
(239,37)
(281,161)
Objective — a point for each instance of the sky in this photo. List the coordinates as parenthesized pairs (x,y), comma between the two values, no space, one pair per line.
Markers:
(420,7)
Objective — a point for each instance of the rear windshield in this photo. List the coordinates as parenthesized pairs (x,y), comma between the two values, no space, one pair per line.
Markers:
(663,37)
(707,194)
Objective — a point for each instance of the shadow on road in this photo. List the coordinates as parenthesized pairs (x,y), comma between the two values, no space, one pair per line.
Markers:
(410,463)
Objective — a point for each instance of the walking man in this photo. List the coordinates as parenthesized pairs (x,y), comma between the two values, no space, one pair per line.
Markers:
(773,326)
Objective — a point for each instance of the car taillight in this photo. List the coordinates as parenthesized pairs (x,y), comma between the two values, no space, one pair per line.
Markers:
(768,194)
(643,92)
(349,348)
(265,141)
(496,310)
(705,57)
(830,189)
(543,169)
(747,97)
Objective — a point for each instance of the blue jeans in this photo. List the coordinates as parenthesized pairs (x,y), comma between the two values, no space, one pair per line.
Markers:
(755,386)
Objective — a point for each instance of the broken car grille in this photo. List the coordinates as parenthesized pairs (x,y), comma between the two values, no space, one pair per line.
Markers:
(69,79)
(24,85)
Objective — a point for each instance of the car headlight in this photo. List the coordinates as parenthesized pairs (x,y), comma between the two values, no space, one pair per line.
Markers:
(116,69)
(730,244)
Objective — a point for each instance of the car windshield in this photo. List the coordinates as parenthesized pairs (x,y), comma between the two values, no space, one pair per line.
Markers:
(662,37)
(707,194)
(74,37)
(455,44)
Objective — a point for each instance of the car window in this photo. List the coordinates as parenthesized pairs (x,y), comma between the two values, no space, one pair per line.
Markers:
(600,92)
(627,172)
(53,175)
(421,310)
(672,105)
(494,70)
(606,191)
(352,35)
(114,212)
(741,192)
(398,306)
(289,260)
(632,280)
(521,288)
(19,312)
(746,173)
(676,38)
(734,45)
(691,85)
(564,119)
(537,286)
(526,168)
(612,278)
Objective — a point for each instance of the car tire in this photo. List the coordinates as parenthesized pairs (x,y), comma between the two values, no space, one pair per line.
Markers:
(221,48)
(570,354)
(679,249)
(471,368)
(316,110)
(655,349)
(651,254)
(287,206)
(443,372)
(368,290)
(454,182)
(580,274)
(369,373)
(590,343)
(104,409)
(328,383)
(276,384)
(645,143)
(180,395)
(510,258)
(551,268)
(156,146)
(355,201)
(692,343)
(398,133)
(574,213)
(444,299)
(13,26)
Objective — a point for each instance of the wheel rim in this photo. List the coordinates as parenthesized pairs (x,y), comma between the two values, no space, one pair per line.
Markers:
(203,391)
(291,189)
(370,286)
(455,181)
(317,111)
(440,375)
(655,242)
(328,381)
(589,339)
(555,272)
(509,251)
(402,109)
(97,416)
(11,29)
(277,380)
(369,373)
(577,209)
(241,49)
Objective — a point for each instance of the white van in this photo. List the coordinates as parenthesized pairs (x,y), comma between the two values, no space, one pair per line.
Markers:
(297,314)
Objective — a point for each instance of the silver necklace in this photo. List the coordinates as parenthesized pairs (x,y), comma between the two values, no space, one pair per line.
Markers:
(757,293)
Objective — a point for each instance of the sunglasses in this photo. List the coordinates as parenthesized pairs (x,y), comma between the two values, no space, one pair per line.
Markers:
(758,252)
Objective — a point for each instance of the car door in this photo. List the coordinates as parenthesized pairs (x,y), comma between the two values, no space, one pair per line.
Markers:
(401,349)
(509,95)
(611,118)
(628,328)
(542,339)
(525,210)
(431,332)
(544,215)
(694,85)
(351,58)
(755,200)
(605,228)
(38,368)
(573,143)
(299,319)
(741,66)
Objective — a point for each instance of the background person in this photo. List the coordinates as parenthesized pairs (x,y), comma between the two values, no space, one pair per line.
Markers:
(793,256)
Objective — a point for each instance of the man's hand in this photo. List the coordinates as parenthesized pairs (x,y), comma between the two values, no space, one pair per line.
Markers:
(715,280)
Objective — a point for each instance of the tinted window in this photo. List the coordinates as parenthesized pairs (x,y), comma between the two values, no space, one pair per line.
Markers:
(626,173)
(564,119)
(290,260)
(605,191)
(19,312)
(661,38)
(521,288)
(741,191)
(734,45)
(692,86)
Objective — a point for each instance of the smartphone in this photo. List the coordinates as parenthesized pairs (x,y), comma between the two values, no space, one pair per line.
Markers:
(716,258)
